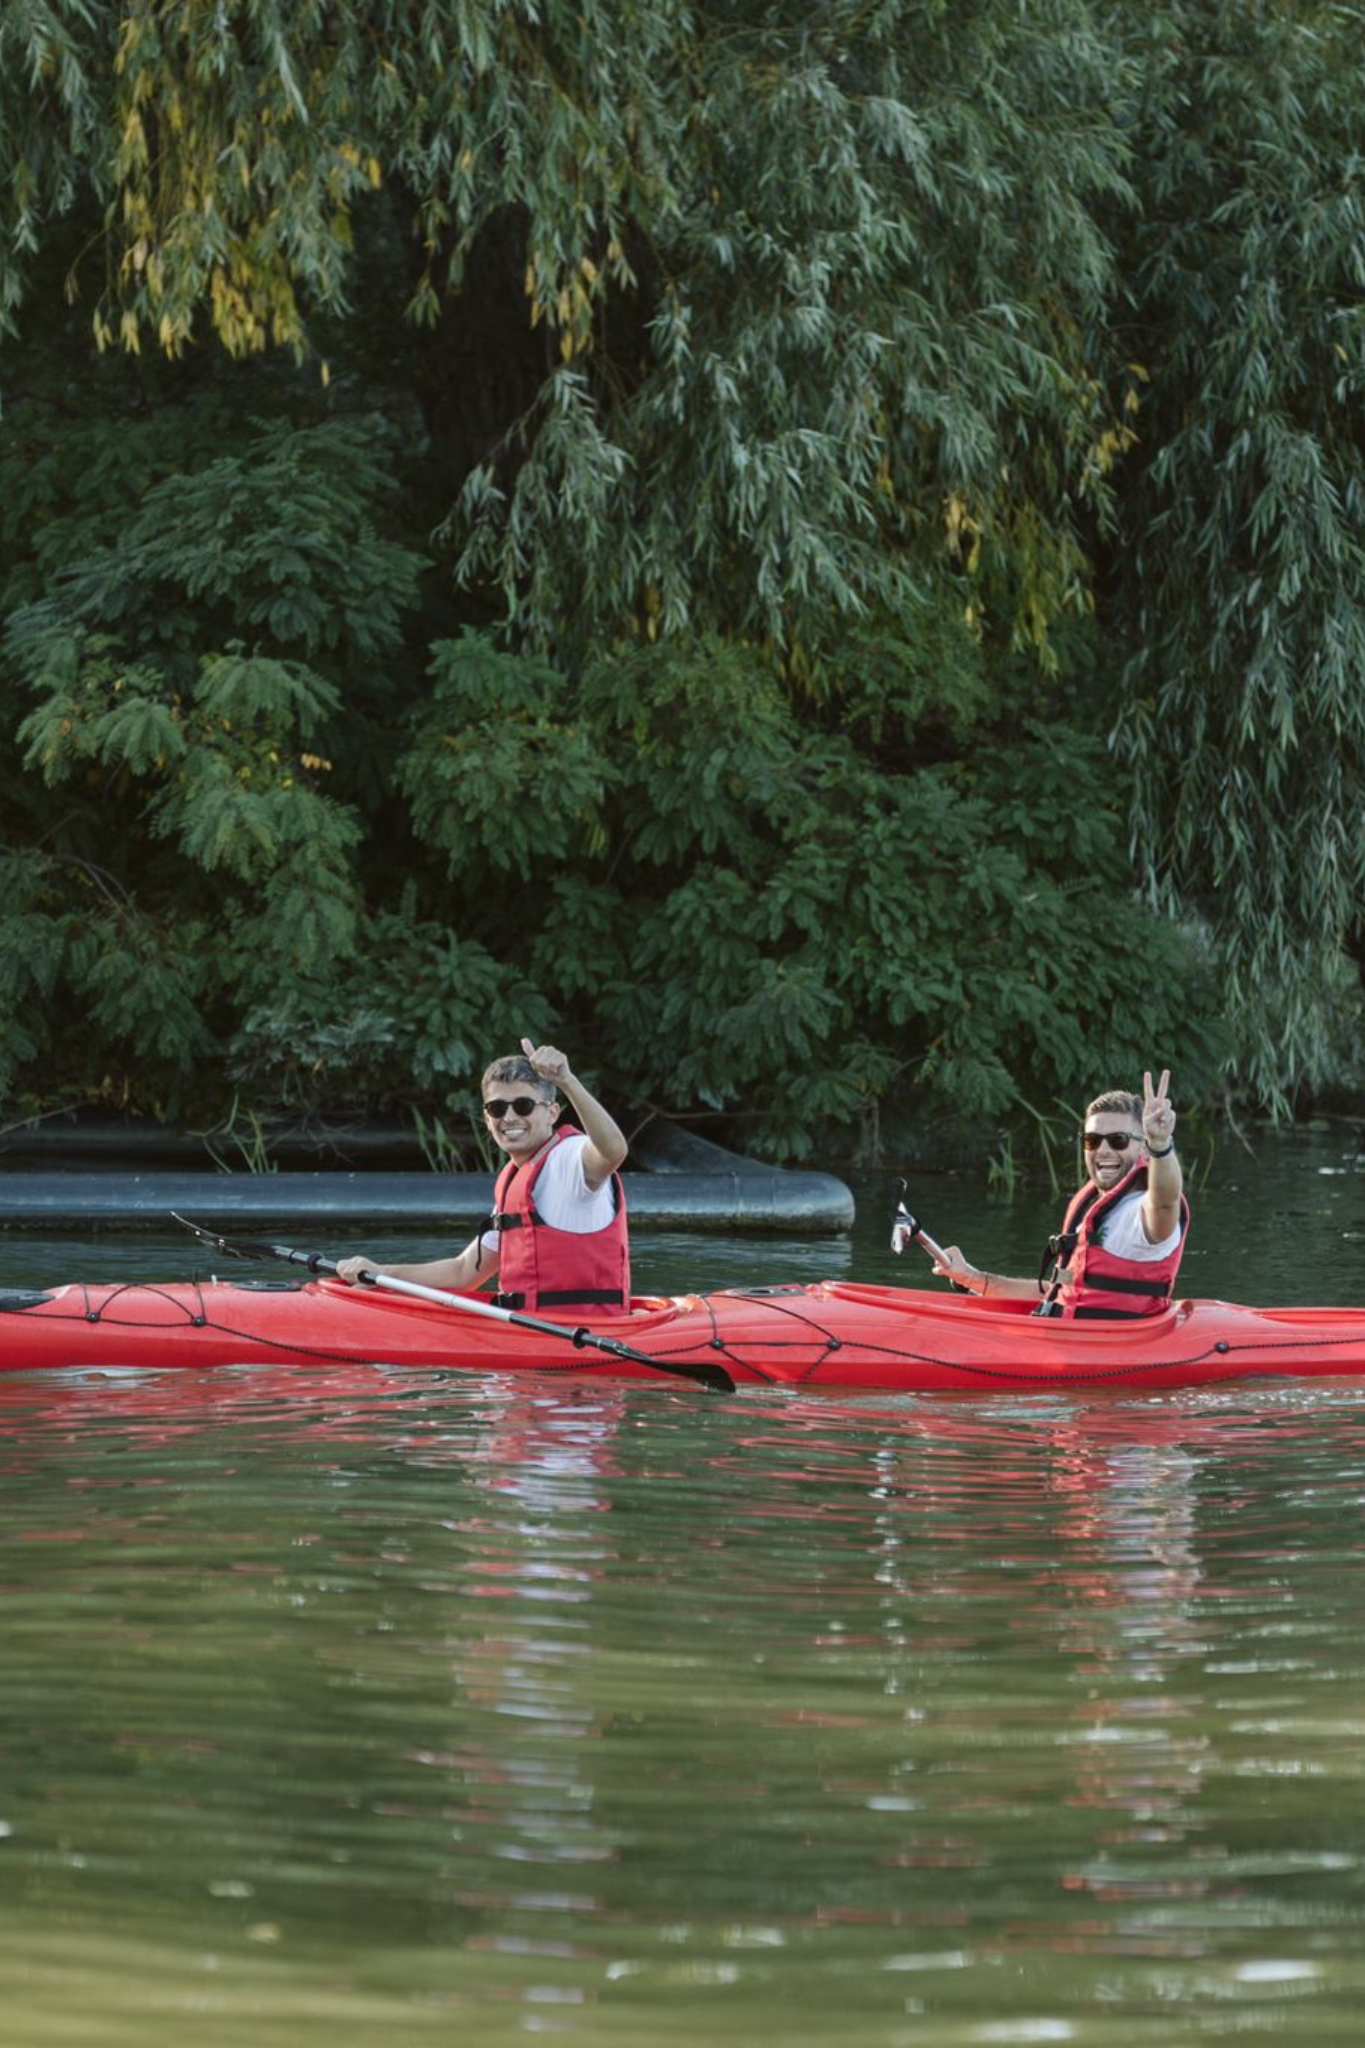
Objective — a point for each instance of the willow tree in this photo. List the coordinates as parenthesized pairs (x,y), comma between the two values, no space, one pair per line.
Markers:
(1242,557)
(765,394)
(726,301)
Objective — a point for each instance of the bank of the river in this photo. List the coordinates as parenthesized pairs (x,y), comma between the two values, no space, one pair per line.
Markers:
(1278,1219)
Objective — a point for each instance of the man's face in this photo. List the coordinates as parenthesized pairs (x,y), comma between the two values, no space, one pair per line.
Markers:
(1113,1146)
(519,1116)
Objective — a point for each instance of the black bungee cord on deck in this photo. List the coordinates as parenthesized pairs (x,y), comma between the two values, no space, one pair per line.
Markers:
(679,1359)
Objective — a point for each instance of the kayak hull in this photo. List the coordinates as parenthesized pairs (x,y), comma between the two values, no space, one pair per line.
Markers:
(830,1335)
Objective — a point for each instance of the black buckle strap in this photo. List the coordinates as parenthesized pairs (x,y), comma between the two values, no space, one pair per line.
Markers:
(593,1297)
(1059,1248)
(1119,1285)
(579,1297)
(1056,1254)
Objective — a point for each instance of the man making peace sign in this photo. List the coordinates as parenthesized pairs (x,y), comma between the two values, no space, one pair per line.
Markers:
(1120,1245)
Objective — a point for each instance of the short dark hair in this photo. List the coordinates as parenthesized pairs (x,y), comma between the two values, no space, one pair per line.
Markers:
(516,1067)
(1119,1101)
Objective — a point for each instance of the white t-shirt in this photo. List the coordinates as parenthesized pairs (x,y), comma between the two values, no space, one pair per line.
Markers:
(563,1196)
(1122,1233)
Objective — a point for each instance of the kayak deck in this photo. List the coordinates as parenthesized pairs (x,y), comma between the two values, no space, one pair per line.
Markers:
(830,1334)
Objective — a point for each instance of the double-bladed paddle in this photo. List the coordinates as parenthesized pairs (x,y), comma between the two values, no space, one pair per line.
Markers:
(713,1377)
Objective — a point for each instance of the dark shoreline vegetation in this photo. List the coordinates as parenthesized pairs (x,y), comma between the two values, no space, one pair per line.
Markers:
(812,557)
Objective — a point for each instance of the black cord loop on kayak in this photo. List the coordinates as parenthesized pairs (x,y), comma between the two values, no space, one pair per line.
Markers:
(684,1351)
(675,1356)
(994,1375)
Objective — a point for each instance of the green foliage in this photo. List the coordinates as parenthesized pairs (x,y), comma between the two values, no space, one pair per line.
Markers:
(493,776)
(73,468)
(710,750)
(414,1008)
(33,946)
(141,987)
(1243,714)
(862,227)
(785,922)
(73,942)
(162,730)
(773,282)
(280,541)
(828,424)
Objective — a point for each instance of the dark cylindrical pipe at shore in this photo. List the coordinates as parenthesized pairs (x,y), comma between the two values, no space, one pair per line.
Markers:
(73,1174)
(440,1202)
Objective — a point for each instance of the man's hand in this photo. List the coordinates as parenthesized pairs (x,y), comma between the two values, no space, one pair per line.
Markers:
(549,1063)
(606,1147)
(1165,1181)
(350,1270)
(950,1264)
(1158,1118)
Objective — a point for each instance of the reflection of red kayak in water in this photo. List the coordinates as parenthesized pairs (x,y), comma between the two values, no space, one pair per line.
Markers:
(831,1335)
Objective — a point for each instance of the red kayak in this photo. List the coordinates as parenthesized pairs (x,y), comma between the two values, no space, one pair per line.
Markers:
(834,1334)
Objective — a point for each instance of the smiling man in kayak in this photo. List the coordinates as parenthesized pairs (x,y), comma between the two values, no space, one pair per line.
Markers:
(557,1239)
(1121,1242)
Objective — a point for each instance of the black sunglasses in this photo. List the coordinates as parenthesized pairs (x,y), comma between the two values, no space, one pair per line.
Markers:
(497,1106)
(1118,1140)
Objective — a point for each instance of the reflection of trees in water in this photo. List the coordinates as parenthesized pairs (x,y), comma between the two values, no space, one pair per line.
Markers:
(581,1672)
(529,1547)
(1139,1741)
(1036,1579)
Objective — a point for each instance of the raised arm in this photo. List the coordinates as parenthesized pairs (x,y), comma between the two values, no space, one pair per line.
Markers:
(1165,1181)
(606,1147)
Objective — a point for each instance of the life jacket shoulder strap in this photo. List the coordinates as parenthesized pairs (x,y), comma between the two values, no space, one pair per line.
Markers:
(1056,1253)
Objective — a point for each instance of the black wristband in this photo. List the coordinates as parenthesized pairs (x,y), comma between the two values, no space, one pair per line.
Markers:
(1152,1152)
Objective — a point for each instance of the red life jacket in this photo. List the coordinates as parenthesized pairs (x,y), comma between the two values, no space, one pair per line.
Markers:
(1096,1282)
(540,1267)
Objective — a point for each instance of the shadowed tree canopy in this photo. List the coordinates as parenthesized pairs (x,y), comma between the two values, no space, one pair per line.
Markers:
(832,423)
(723,300)
(1243,519)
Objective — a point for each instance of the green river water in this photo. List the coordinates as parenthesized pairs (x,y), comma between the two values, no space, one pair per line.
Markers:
(369,1709)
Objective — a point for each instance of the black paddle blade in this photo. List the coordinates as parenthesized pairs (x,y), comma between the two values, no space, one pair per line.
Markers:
(714,1378)
(229,1247)
(247,1248)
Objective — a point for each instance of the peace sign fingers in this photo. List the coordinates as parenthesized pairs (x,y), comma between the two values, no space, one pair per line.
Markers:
(1158,1118)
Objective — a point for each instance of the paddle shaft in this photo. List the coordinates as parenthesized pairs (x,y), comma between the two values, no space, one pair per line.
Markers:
(713,1377)
(917,1234)
(934,1251)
